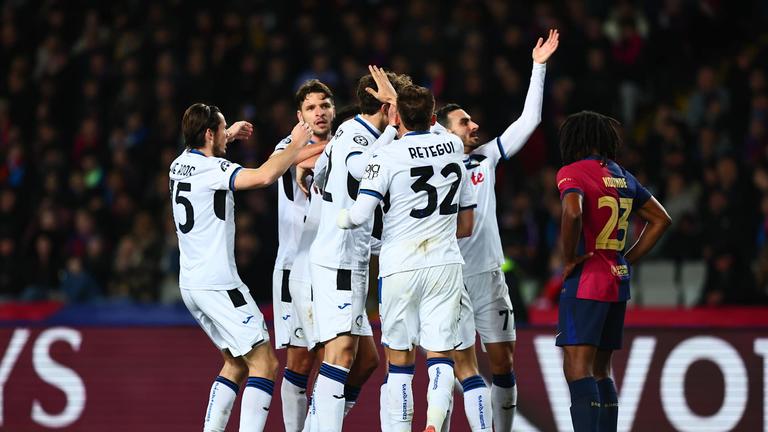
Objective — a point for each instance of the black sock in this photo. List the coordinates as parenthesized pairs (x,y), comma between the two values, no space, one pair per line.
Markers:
(609,401)
(585,405)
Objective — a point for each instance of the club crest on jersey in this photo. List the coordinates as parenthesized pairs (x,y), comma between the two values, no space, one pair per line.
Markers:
(360,140)
(477,178)
(372,171)
(225,165)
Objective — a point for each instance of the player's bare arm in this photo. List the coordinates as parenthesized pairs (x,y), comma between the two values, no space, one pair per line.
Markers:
(273,168)
(657,221)
(570,229)
(465,223)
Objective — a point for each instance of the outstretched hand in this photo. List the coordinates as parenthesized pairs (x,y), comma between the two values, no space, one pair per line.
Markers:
(385,92)
(544,49)
(241,130)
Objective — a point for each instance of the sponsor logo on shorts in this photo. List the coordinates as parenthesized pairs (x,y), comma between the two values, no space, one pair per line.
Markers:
(340,396)
(247,319)
(285,317)
(344,305)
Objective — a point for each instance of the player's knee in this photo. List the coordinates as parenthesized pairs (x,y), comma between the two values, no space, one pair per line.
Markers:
(340,356)
(301,363)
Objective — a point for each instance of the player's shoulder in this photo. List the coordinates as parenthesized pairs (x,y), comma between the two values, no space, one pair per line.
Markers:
(356,132)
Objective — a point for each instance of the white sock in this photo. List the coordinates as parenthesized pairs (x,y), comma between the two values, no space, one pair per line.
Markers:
(477,403)
(400,398)
(383,406)
(440,390)
(293,393)
(220,401)
(447,422)
(254,407)
(504,395)
(328,397)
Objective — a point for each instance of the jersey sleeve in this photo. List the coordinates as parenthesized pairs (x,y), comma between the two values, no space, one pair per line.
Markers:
(377,177)
(642,195)
(568,181)
(282,144)
(223,176)
(361,150)
(467,195)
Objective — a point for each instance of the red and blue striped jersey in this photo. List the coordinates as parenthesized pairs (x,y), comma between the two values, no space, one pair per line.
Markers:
(610,193)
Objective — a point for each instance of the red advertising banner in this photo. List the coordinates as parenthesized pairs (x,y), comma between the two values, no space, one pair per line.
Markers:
(158,378)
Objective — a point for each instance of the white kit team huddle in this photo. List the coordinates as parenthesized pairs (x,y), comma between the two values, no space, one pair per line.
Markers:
(426,181)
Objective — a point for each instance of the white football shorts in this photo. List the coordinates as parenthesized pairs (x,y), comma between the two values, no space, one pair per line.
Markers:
(338,302)
(303,317)
(230,318)
(494,317)
(421,307)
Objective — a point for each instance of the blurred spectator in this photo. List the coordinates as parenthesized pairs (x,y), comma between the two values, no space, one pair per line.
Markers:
(91,99)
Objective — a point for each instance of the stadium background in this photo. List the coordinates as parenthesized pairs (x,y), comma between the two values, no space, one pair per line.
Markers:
(91,98)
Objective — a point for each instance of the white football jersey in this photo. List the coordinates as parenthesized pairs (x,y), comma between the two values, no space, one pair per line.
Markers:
(421,181)
(300,271)
(482,250)
(204,215)
(334,247)
(291,205)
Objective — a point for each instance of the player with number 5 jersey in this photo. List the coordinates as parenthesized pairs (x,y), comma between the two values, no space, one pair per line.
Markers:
(202,183)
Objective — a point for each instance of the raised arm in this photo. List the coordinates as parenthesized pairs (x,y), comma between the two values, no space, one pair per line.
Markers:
(275,166)
(657,221)
(517,133)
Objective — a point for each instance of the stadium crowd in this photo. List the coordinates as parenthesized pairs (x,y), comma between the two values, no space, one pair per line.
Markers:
(92,95)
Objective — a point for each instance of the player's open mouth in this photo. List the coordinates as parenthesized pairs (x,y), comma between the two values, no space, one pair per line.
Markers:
(321,123)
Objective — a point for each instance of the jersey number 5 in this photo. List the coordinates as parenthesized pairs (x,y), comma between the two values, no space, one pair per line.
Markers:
(423,174)
(618,220)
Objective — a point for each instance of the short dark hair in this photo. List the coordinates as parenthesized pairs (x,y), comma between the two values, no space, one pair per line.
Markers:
(415,105)
(369,104)
(343,114)
(587,132)
(197,119)
(442,113)
(312,86)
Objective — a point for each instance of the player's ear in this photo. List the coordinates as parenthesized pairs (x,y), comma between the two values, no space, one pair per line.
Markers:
(298,116)
(208,135)
(433,120)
